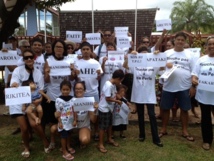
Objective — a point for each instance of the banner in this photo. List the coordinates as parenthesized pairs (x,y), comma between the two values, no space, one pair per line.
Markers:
(93,38)
(9,58)
(16,96)
(163,24)
(123,42)
(84,104)
(75,36)
(156,60)
(116,56)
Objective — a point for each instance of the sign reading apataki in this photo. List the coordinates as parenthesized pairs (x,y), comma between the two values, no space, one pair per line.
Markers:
(93,38)
(84,104)
(16,96)
(138,60)
(163,24)
(75,36)
(60,68)
(116,56)
(8,58)
(206,82)
(123,42)
(86,71)
(156,60)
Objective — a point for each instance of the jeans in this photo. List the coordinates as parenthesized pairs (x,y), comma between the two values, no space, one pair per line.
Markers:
(152,120)
(206,123)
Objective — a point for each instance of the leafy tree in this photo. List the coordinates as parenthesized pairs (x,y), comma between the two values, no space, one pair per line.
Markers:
(192,15)
(11,10)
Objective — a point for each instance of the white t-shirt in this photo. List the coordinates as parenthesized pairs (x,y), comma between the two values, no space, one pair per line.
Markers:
(19,75)
(117,119)
(204,67)
(6,74)
(53,87)
(67,114)
(110,67)
(180,79)
(90,83)
(143,88)
(103,51)
(83,119)
(109,90)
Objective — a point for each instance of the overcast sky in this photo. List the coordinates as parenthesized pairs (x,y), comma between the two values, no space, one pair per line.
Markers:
(165,6)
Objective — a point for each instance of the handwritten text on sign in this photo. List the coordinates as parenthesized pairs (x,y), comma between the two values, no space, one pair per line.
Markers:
(75,36)
(16,96)
(116,56)
(163,24)
(156,60)
(88,71)
(206,83)
(123,42)
(8,58)
(84,104)
(93,38)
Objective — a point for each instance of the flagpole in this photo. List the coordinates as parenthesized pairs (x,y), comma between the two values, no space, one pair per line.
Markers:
(92,14)
(135,30)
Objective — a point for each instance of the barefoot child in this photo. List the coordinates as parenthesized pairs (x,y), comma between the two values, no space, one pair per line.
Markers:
(120,122)
(67,119)
(34,111)
(106,105)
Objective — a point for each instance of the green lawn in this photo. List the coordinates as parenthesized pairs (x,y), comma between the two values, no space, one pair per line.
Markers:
(175,147)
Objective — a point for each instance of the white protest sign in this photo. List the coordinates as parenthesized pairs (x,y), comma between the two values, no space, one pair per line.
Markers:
(75,36)
(138,60)
(16,96)
(163,24)
(88,71)
(121,31)
(156,60)
(116,56)
(168,72)
(8,58)
(61,68)
(93,38)
(7,46)
(124,111)
(206,83)
(123,42)
(84,104)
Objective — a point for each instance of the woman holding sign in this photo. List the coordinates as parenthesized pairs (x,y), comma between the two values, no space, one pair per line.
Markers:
(23,73)
(202,77)
(144,80)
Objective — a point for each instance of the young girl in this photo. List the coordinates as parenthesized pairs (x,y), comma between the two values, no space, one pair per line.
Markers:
(67,119)
(120,122)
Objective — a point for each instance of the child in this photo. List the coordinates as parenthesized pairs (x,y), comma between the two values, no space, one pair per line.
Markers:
(67,119)
(31,108)
(120,122)
(106,105)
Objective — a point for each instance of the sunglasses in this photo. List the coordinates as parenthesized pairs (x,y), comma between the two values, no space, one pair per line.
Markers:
(26,46)
(145,42)
(107,35)
(28,57)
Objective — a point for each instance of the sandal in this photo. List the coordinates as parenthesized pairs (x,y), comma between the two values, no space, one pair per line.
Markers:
(68,157)
(162,134)
(102,150)
(25,154)
(71,150)
(113,143)
(188,137)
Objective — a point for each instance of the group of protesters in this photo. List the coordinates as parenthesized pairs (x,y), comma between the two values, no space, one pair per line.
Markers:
(114,86)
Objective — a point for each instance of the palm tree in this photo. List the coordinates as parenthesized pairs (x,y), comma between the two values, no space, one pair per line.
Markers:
(191,15)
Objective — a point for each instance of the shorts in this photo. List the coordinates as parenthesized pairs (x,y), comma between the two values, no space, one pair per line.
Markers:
(65,133)
(16,115)
(120,127)
(105,120)
(168,100)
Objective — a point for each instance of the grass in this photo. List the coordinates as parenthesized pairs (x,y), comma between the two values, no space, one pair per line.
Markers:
(175,147)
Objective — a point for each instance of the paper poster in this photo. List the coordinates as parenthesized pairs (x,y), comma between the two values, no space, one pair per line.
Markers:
(61,68)
(163,24)
(123,42)
(156,60)
(121,31)
(75,36)
(138,60)
(116,56)
(8,58)
(168,72)
(88,71)
(7,46)
(93,38)
(16,96)
(84,104)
